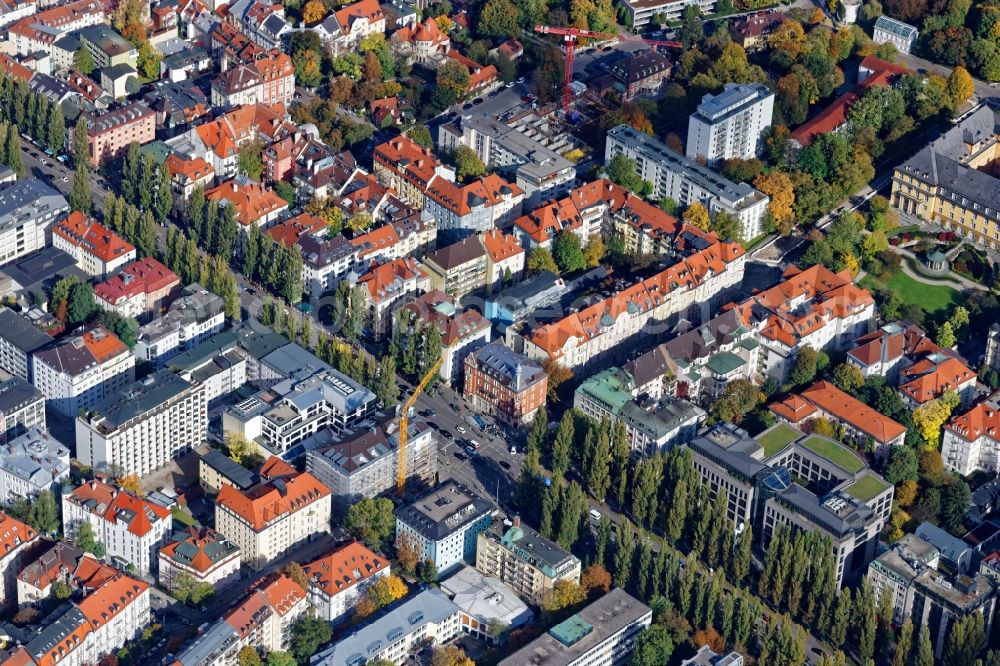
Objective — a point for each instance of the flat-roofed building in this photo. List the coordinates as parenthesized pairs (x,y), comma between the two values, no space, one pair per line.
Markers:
(685,180)
(28,209)
(489,607)
(731,124)
(895,571)
(601,634)
(31,463)
(641,12)
(19,340)
(888,30)
(429,616)
(142,427)
(522,558)
(195,316)
(22,406)
(445,524)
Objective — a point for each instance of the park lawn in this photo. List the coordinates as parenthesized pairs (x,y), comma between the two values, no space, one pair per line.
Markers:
(777,438)
(930,298)
(836,453)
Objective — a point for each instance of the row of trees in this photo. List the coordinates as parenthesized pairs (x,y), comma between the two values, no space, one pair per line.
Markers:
(135,226)
(24,110)
(415,345)
(213,226)
(144,184)
(183,257)
(272,264)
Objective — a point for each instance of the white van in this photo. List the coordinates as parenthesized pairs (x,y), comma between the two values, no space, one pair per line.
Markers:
(595,515)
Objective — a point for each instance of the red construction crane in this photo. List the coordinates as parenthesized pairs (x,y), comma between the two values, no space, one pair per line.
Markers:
(570,35)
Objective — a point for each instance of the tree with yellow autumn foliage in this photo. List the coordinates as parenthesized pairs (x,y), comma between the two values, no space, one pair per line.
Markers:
(313,12)
(697,216)
(778,186)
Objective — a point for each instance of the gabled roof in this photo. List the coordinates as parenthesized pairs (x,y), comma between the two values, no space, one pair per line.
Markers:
(253,201)
(343,568)
(983,420)
(113,504)
(392,279)
(139,277)
(436,307)
(848,409)
(92,237)
(365,9)
(932,376)
(500,246)
(74,356)
(261,505)
(486,191)
(457,254)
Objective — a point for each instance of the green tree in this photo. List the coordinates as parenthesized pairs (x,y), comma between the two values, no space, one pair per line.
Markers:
(308,634)
(279,658)
(624,551)
(499,18)
(12,152)
(44,514)
(453,79)
(80,303)
(956,498)
(562,445)
(622,170)
(602,541)
(902,465)
(946,335)
(620,456)
(599,474)
(148,61)
(848,378)
(56,129)
(925,651)
(248,657)
(904,644)
(741,558)
(540,259)
(568,253)
(467,164)
(83,62)
(80,198)
(164,200)
(653,647)
(738,399)
(81,142)
(249,160)
(804,369)
(86,540)
(372,520)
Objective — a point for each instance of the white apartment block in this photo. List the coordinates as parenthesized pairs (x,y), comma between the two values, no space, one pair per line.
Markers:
(890,31)
(642,12)
(602,634)
(194,317)
(429,617)
(972,440)
(218,364)
(98,251)
(83,371)
(131,529)
(31,463)
(338,580)
(28,209)
(686,181)
(270,519)
(730,124)
(445,524)
(19,340)
(142,428)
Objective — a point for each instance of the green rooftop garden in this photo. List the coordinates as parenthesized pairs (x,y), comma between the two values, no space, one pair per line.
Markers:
(777,438)
(867,487)
(836,453)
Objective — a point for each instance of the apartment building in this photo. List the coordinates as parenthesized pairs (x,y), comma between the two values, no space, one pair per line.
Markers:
(602,634)
(522,558)
(201,553)
(61,561)
(639,73)
(30,463)
(363,462)
(254,203)
(82,371)
(429,617)
(344,28)
(699,364)
(933,376)
(505,258)
(263,619)
(143,426)
(642,12)
(217,364)
(597,334)
(113,611)
(730,124)
(685,180)
(891,348)
(271,518)
(462,332)
(504,384)
(140,290)
(186,175)
(19,340)
(109,134)
(486,203)
(22,407)
(445,524)
(338,580)
(409,169)
(894,572)
(131,529)
(653,424)
(269,80)
(98,251)
(28,209)
(971,440)
(106,47)
(195,316)
(20,543)
(40,31)
(784,477)
(890,31)
(814,308)
(385,287)
(459,268)
(540,172)
(860,422)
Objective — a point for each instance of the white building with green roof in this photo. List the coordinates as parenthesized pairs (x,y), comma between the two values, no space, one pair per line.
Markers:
(890,31)
(653,425)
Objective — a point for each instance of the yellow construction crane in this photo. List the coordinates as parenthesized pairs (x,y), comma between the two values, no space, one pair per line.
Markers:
(404,422)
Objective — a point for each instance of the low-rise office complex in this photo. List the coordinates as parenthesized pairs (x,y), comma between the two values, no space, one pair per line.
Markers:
(602,634)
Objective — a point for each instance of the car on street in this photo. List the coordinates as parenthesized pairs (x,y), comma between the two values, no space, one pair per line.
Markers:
(520,79)
(460,455)
(433,426)
(431,413)
(474,444)
(470,450)
(466,107)
(460,429)
(513,450)
(65,179)
(505,464)
(447,435)
(509,84)
(478,100)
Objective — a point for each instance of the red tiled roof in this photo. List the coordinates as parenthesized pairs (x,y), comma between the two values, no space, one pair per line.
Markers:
(501,246)
(793,408)
(381,281)
(932,376)
(252,200)
(265,502)
(983,419)
(844,407)
(92,237)
(294,228)
(140,277)
(367,9)
(343,568)
(486,191)
(113,504)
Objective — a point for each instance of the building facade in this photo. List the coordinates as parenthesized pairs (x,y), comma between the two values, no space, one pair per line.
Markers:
(504,384)
(338,580)
(203,554)
(28,209)
(731,124)
(109,134)
(890,31)
(98,251)
(445,523)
